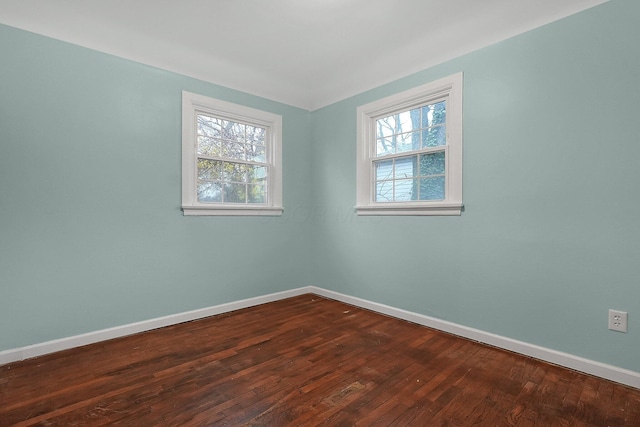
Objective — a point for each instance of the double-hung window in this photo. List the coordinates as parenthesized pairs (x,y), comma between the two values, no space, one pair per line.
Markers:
(231,158)
(410,152)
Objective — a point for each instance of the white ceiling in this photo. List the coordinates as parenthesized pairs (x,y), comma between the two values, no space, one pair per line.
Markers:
(306,53)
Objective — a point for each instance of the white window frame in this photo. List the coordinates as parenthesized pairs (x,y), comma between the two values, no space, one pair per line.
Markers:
(192,104)
(449,88)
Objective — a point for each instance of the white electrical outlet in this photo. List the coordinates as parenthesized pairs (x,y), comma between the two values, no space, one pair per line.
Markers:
(618,320)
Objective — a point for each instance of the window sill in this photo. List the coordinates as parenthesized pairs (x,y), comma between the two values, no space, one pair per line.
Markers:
(405,209)
(231,211)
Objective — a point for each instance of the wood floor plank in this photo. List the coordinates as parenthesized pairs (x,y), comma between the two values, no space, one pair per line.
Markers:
(304,361)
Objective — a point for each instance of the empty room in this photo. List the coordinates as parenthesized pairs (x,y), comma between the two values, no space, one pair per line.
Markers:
(320,212)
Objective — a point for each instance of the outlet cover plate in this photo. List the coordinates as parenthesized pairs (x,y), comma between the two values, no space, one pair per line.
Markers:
(618,320)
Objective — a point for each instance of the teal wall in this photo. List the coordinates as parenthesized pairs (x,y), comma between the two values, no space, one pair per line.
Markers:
(91,234)
(550,239)
(91,231)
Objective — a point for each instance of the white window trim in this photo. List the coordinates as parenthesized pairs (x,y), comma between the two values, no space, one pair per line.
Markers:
(192,103)
(449,88)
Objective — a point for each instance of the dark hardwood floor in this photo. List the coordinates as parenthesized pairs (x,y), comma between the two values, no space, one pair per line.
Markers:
(304,361)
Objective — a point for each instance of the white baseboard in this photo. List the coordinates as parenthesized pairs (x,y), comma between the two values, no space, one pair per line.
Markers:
(602,370)
(17,354)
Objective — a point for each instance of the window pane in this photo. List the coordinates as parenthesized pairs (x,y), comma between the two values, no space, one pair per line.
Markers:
(209,169)
(233,150)
(406,167)
(385,146)
(408,142)
(384,170)
(404,189)
(209,146)
(257,193)
(434,114)
(384,191)
(209,126)
(232,131)
(256,153)
(257,174)
(235,172)
(408,121)
(255,135)
(432,164)
(209,191)
(432,188)
(235,193)
(225,129)
(415,120)
(386,126)
(434,137)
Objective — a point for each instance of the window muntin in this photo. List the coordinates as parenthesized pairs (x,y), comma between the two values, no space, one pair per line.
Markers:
(231,159)
(410,152)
